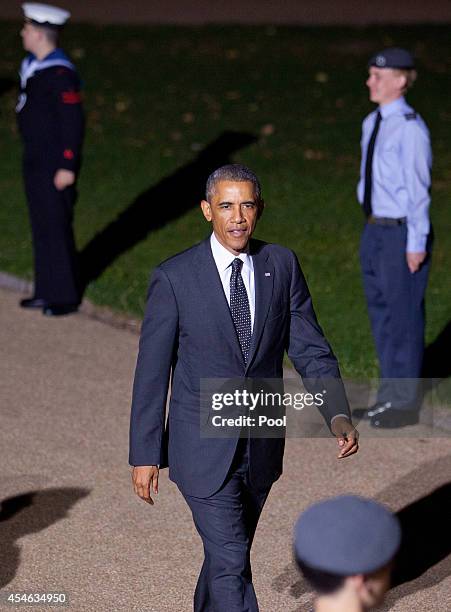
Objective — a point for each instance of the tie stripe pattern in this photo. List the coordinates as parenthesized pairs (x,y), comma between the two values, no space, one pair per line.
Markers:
(239,307)
(367,207)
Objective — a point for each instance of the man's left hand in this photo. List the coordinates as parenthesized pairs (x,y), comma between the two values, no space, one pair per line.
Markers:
(414,260)
(347,436)
(63,178)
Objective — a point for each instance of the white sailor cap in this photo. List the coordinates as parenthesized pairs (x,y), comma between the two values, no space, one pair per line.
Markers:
(45,14)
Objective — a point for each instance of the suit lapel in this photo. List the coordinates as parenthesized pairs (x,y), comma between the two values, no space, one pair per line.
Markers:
(264,283)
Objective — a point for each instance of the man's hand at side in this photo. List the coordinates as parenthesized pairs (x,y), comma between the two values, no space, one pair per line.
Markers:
(145,477)
(347,436)
(63,178)
(414,260)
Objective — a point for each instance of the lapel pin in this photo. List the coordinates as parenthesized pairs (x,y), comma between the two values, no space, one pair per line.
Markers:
(267,273)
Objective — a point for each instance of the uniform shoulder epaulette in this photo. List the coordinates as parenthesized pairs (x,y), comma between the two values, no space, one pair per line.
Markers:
(410,116)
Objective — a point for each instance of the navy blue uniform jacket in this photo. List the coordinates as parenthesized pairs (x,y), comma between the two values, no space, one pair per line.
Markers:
(52,121)
(188,329)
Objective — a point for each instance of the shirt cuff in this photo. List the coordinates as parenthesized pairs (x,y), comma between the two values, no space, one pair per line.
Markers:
(416,244)
(346,416)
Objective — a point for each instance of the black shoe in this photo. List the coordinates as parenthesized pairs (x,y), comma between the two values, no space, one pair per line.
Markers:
(58,310)
(33,302)
(366,414)
(392,418)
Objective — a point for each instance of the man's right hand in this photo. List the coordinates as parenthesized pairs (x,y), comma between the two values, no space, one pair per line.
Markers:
(144,477)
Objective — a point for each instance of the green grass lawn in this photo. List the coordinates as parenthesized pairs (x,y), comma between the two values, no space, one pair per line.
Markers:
(158,96)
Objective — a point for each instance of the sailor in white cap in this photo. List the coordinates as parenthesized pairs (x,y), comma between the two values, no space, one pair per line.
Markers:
(51,122)
(345,548)
(45,14)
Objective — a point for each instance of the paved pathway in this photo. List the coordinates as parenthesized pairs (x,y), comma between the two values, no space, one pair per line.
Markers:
(68,518)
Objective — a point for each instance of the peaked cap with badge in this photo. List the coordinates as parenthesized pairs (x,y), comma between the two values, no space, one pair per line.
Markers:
(393,57)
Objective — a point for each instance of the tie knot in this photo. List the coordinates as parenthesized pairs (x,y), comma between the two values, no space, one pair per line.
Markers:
(237,264)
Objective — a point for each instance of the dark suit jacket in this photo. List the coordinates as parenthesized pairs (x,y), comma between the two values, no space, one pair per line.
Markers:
(188,329)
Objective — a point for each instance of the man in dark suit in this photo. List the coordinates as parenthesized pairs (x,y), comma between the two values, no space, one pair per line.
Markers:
(227,308)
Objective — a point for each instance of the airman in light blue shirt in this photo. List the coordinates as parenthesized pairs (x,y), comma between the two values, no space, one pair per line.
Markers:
(395,179)
(401,169)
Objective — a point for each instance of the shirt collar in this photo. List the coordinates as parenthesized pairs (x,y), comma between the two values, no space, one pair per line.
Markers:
(57,53)
(399,106)
(223,258)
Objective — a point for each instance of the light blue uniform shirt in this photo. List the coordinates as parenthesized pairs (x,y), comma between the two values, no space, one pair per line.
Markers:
(401,169)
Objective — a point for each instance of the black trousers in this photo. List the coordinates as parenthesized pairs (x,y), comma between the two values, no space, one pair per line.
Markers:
(56,271)
(226,522)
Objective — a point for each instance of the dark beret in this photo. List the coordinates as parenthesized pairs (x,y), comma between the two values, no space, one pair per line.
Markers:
(347,535)
(393,58)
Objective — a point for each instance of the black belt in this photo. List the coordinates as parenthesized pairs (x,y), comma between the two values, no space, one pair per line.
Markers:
(386,220)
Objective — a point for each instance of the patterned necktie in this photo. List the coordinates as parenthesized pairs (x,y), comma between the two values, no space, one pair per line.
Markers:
(369,167)
(239,307)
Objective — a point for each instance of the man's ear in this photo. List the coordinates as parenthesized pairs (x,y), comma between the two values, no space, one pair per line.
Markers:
(206,209)
(357,585)
(403,82)
(261,206)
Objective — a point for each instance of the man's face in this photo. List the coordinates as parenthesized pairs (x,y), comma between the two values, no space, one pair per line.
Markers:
(385,84)
(233,212)
(31,37)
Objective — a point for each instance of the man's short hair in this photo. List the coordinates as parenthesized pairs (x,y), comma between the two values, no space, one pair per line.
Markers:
(52,34)
(410,74)
(324,583)
(232,172)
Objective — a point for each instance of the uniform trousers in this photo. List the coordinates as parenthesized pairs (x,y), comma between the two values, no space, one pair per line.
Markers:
(395,299)
(56,270)
(226,521)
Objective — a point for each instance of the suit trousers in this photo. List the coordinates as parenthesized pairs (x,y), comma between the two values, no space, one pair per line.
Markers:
(56,270)
(395,299)
(226,521)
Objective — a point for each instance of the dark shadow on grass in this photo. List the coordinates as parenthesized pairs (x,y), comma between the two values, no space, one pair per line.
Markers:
(30,513)
(160,204)
(437,356)
(424,559)
(6,85)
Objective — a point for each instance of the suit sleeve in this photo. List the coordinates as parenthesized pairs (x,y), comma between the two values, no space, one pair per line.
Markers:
(309,350)
(157,347)
(69,110)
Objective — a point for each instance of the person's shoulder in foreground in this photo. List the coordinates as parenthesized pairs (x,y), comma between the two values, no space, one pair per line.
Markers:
(345,548)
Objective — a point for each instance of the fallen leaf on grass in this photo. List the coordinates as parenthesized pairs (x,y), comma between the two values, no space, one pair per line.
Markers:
(122,105)
(232,54)
(267,130)
(321,77)
(313,154)
(233,95)
(78,53)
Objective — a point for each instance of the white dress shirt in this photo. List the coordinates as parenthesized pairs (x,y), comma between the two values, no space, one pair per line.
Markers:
(223,260)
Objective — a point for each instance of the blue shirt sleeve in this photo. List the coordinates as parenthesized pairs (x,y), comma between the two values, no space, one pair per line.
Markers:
(416,160)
